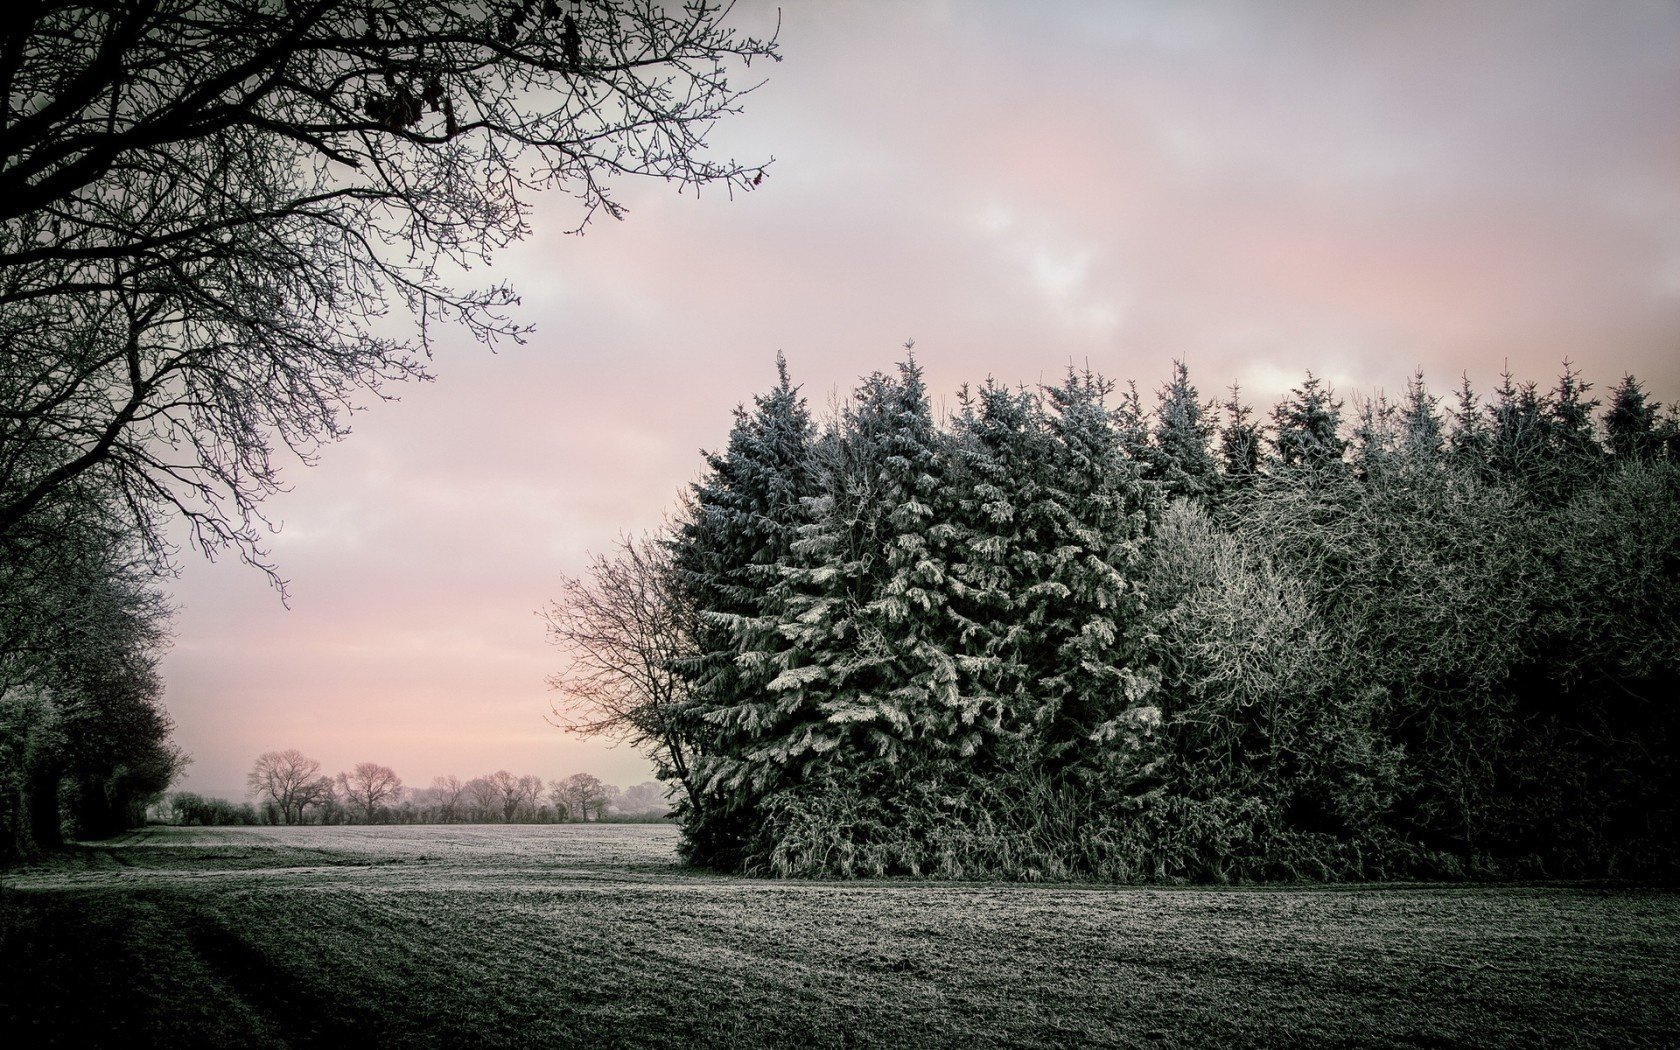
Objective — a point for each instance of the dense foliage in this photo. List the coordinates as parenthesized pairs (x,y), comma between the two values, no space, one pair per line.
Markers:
(1061,635)
(84,739)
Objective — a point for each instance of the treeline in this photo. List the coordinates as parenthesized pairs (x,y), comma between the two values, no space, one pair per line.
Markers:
(1062,633)
(288,787)
(84,737)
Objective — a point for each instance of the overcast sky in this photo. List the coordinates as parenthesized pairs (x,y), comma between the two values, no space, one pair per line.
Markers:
(1358,189)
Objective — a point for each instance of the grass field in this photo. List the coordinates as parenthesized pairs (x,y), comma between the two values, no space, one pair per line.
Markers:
(592,936)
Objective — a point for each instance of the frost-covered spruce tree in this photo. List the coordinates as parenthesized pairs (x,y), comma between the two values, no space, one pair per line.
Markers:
(739,528)
(1307,426)
(1088,611)
(1422,437)
(1004,523)
(867,706)
(1181,459)
(1239,443)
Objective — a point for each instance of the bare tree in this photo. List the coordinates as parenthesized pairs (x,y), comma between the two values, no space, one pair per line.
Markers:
(625,628)
(507,789)
(484,797)
(288,779)
(644,798)
(369,787)
(208,206)
(584,794)
(530,795)
(321,793)
(448,790)
(558,797)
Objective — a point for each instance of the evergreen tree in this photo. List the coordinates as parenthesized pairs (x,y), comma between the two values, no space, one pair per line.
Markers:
(1182,462)
(1376,437)
(1632,422)
(1090,624)
(1002,516)
(1239,441)
(1307,426)
(1572,435)
(1517,439)
(741,524)
(1422,437)
(1471,441)
(862,683)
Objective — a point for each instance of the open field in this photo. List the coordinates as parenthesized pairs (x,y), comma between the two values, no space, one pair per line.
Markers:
(591,936)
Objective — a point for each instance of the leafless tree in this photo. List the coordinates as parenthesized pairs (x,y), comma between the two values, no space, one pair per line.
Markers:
(583,794)
(448,790)
(560,798)
(507,790)
(207,208)
(530,795)
(369,787)
(484,797)
(288,779)
(644,798)
(321,793)
(625,628)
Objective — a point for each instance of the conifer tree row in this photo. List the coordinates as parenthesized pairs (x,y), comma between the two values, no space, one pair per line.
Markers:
(1058,635)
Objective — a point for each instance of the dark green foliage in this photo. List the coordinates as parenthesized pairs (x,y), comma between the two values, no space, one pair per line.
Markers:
(1181,460)
(1052,640)
(84,740)
(190,809)
(1239,442)
(727,552)
(1307,426)
(1632,423)
(865,676)
(1471,439)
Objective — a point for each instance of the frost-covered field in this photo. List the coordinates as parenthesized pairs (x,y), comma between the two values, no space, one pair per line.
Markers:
(593,936)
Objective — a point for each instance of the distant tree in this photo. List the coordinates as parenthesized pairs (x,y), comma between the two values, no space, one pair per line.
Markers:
(320,794)
(484,797)
(507,792)
(530,789)
(449,791)
(369,787)
(560,798)
(584,795)
(646,797)
(193,810)
(288,779)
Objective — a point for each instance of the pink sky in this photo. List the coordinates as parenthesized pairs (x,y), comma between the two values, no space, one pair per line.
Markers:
(1357,189)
